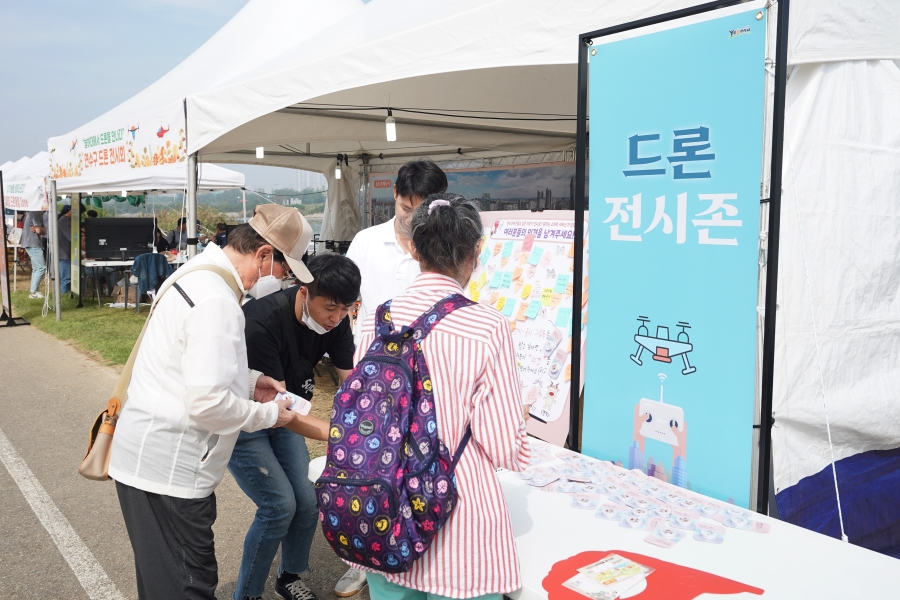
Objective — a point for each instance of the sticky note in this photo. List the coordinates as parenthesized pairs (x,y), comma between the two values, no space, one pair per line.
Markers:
(509,307)
(485,256)
(535,256)
(528,243)
(561,282)
(482,279)
(475,295)
(473,286)
(507,250)
(526,291)
(506,281)
(564,317)
(546,296)
(501,303)
(520,316)
(496,279)
(533,310)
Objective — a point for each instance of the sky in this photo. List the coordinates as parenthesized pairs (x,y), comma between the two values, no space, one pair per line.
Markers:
(65,62)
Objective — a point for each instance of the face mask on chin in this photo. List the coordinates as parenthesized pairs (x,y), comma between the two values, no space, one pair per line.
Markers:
(266,284)
(309,321)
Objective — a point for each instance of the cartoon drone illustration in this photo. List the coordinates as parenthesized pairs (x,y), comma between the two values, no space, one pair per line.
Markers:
(662,347)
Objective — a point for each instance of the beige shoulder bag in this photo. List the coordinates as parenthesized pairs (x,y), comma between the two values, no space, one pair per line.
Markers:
(95,464)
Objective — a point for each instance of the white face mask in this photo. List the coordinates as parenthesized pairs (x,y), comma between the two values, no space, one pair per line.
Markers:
(309,322)
(266,284)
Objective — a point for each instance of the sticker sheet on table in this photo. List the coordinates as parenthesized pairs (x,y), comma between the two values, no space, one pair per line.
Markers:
(525,271)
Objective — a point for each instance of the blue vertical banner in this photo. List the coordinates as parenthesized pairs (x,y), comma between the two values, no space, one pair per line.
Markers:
(676,135)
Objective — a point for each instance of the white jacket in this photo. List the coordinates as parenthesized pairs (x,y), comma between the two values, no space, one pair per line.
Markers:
(189,393)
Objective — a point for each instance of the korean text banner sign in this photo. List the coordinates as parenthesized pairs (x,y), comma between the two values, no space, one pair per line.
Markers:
(677,120)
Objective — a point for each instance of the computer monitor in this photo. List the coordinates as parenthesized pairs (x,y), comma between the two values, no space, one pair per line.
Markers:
(118,239)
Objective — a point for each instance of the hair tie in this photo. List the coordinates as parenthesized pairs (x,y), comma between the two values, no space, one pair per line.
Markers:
(435,203)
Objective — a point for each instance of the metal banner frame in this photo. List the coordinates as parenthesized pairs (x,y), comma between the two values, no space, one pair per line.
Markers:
(6,313)
(585,40)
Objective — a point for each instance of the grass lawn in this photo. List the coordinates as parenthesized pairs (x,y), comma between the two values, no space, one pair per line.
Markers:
(107,334)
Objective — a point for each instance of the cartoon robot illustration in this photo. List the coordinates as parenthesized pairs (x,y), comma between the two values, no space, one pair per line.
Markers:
(663,348)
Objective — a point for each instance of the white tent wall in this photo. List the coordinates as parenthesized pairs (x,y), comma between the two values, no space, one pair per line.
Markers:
(839,318)
(25,184)
(341,221)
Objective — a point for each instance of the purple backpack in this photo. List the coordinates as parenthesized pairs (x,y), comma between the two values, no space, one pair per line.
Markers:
(388,486)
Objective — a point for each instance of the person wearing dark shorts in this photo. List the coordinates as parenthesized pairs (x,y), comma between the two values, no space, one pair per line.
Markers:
(271,465)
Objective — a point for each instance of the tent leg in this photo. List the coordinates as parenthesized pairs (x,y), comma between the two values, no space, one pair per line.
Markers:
(192,205)
(53,223)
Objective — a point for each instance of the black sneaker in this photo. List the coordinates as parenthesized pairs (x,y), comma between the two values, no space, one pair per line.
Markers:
(290,587)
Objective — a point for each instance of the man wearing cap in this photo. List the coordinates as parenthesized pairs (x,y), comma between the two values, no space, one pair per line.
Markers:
(191,393)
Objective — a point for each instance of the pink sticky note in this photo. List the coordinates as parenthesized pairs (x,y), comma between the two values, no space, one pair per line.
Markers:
(528,243)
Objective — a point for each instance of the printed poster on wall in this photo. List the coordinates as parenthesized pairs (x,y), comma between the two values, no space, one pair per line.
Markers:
(525,271)
(677,121)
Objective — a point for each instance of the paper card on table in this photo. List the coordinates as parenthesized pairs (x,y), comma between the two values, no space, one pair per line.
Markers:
(506,281)
(709,533)
(496,279)
(562,280)
(482,279)
(507,250)
(564,317)
(533,310)
(546,296)
(528,242)
(509,307)
(535,256)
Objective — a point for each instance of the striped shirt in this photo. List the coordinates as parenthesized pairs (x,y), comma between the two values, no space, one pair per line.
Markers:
(472,363)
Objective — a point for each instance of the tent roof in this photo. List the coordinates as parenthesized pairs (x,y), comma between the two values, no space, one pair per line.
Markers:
(483,78)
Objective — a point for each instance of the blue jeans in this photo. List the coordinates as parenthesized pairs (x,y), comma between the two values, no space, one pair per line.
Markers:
(38,267)
(65,276)
(271,467)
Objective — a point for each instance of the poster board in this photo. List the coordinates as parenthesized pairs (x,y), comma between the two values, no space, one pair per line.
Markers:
(676,188)
(525,271)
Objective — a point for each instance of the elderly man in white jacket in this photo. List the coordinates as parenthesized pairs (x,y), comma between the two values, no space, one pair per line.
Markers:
(190,395)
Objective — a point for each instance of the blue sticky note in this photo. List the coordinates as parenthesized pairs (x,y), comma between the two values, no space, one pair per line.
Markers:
(509,307)
(535,256)
(507,250)
(496,279)
(485,256)
(532,310)
(564,318)
(562,281)
(506,282)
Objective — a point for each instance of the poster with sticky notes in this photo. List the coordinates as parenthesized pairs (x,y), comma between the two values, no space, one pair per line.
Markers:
(485,256)
(529,264)
(562,280)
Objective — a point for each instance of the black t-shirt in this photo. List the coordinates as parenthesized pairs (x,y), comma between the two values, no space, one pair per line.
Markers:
(268,348)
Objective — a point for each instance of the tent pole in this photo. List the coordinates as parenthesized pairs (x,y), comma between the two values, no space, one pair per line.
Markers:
(53,230)
(192,206)
(578,276)
(766,420)
(244,203)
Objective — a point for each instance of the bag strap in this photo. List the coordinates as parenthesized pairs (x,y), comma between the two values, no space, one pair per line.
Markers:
(384,325)
(425,323)
(118,396)
(289,319)
(461,448)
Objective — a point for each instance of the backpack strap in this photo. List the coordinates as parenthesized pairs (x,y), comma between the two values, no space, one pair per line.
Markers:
(384,325)
(461,448)
(431,317)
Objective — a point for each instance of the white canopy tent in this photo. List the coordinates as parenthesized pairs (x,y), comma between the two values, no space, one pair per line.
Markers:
(24,184)
(484,79)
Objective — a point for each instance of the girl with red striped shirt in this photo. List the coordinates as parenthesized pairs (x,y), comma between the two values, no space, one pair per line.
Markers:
(471,359)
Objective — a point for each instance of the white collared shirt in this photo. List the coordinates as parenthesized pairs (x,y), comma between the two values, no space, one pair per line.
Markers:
(386,269)
(188,398)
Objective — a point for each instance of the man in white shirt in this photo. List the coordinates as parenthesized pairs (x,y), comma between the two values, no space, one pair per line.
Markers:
(190,395)
(382,254)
